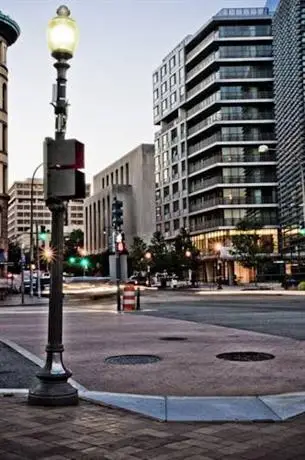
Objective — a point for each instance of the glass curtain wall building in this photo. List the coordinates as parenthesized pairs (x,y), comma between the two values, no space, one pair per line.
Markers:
(289,71)
(213,104)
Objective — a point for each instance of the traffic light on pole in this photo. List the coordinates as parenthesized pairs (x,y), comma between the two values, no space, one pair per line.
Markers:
(42,233)
(117,214)
(63,159)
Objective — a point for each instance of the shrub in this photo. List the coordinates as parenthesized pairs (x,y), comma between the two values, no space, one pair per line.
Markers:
(301,286)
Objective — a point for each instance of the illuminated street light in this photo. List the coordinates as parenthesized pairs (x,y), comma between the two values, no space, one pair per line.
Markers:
(52,388)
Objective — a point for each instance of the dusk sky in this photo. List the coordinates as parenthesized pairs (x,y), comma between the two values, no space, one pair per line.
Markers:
(109,83)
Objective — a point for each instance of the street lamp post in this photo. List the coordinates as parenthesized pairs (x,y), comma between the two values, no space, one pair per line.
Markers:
(31,228)
(53,388)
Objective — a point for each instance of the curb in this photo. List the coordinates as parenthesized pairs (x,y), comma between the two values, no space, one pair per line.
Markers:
(276,408)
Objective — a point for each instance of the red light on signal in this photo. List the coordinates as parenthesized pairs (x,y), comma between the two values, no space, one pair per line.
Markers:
(120,247)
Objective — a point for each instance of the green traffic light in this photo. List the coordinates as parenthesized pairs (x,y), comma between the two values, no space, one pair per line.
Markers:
(302,231)
(42,236)
(72,260)
(84,263)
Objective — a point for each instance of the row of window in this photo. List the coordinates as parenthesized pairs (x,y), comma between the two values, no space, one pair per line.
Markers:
(168,138)
(169,102)
(169,66)
(115,179)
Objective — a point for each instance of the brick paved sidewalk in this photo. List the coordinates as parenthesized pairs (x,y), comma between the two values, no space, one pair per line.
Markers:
(92,432)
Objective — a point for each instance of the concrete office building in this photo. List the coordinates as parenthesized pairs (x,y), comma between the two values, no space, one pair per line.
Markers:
(20,206)
(213,101)
(289,73)
(131,180)
(9,32)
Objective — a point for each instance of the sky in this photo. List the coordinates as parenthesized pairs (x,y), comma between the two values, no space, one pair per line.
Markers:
(110,79)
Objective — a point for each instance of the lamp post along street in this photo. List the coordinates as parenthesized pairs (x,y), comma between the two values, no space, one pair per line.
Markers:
(31,228)
(38,263)
(53,387)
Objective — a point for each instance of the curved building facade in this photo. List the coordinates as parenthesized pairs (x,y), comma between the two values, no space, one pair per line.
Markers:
(9,33)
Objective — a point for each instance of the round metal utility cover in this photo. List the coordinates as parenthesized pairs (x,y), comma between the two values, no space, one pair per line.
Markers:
(131,360)
(245,356)
(173,339)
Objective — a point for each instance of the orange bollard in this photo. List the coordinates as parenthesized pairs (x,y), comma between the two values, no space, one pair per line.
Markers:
(129,298)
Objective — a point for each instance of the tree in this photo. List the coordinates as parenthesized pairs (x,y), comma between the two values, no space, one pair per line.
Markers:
(184,254)
(137,253)
(247,245)
(74,241)
(159,253)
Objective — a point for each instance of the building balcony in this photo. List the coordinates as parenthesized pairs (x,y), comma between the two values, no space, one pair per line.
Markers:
(220,181)
(220,159)
(228,202)
(227,98)
(216,223)
(225,75)
(202,66)
(201,46)
(266,116)
(261,138)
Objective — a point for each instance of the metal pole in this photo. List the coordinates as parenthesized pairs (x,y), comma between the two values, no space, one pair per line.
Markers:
(118,275)
(22,274)
(53,388)
(31,228)
(38,262)
(138,305)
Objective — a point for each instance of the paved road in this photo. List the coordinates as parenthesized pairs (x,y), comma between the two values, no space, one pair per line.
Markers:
(275,315)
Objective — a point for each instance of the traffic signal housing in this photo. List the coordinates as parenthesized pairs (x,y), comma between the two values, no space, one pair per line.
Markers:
(117,214)
(302,228)
(63,159)
(43,233)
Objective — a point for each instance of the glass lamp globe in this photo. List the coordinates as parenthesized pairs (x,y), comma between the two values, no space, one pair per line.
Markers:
(62,34)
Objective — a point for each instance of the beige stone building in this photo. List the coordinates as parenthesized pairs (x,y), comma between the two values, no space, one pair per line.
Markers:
(9,32)
(131,180)
(19,212)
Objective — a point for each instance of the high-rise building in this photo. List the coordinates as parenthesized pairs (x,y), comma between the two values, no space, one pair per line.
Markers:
(289,74)
(272,5)
(213,101)
(9,32)
(19,212)
(131,180)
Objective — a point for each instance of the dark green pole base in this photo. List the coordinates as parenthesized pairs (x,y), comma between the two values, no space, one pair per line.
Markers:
(53,393)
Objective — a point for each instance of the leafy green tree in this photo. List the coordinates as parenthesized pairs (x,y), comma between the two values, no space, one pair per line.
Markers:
(247,245)
(137,253)
(159,253)
(74,241)
(184,254)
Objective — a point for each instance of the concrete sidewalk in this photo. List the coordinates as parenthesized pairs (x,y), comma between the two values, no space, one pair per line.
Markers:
(92,432)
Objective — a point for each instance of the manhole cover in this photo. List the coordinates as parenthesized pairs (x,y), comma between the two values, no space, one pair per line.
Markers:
(245,356)
(132,359)
(173,339)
